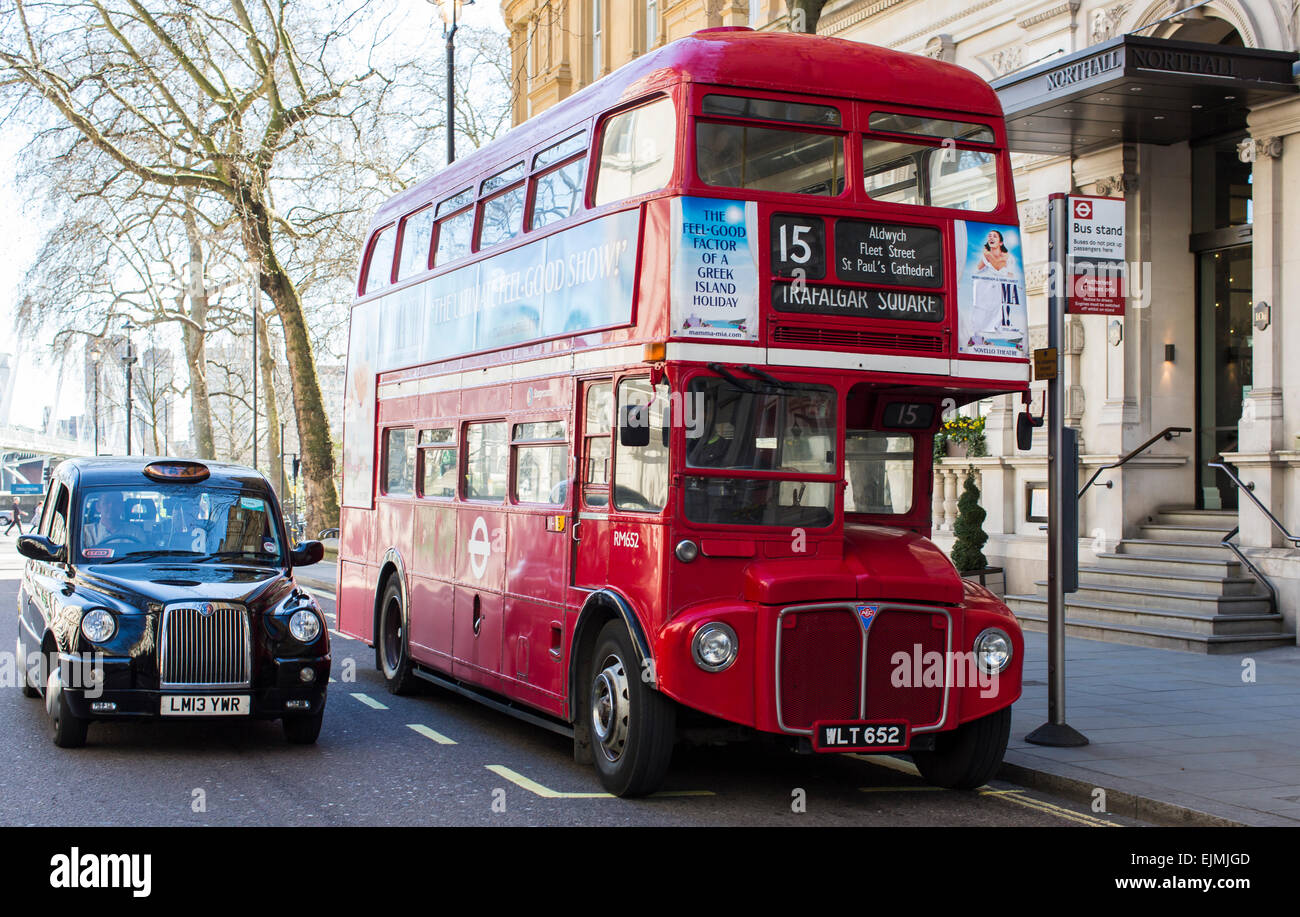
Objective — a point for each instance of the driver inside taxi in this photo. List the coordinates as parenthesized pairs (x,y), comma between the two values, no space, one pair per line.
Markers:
(111,524)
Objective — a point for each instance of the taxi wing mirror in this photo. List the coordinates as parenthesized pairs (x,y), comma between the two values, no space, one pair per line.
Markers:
(38,547)
(307,553)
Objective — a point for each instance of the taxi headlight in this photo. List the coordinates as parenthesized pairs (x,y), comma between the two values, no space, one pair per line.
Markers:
(304,625)
(714,647)
(993,650)
(98,626)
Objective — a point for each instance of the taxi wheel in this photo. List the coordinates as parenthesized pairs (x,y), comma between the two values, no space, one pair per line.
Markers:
(66,728)
(302,730)
(392,647)
(970,755)
(632,725)
(29,689)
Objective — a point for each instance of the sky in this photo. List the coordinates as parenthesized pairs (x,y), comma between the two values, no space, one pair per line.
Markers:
(35,384)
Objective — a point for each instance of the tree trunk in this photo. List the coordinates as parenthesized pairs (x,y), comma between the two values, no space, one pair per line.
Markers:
(266,372)
(317,469)
(194,338)
(804,14)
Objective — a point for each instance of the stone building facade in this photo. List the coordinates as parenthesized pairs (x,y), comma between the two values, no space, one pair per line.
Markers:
(1208,162)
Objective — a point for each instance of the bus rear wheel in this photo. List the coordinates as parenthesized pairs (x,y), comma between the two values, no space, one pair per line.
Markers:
(970,755)
(392,647)
(632,725)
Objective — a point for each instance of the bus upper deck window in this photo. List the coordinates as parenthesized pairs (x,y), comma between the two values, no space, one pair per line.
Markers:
(636,152)
(379,272)
(930,176)
(895,123)
(769,159)
(417,233)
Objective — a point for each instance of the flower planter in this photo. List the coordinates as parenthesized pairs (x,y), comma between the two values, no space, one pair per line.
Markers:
(956,450)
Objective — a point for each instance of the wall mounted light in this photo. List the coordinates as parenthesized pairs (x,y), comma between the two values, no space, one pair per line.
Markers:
(1169,353)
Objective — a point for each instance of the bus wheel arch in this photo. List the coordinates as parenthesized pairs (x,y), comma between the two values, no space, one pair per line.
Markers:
(392,597)
(602,608)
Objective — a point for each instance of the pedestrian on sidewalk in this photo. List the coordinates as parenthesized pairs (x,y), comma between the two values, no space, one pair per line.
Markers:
(15,517)
(36,517)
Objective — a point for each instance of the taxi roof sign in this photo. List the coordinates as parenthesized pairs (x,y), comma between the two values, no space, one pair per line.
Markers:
(176,471)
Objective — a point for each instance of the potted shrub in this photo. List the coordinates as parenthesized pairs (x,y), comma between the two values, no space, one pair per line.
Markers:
(968,549)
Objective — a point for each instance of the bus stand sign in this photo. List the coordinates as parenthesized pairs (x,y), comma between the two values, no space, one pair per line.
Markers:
(1095,255)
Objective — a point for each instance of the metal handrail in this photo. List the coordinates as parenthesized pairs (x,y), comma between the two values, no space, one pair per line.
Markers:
(1166,433)
(1264,581)
(1249,491)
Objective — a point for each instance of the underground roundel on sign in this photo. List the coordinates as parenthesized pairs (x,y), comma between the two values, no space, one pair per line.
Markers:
(1083,210)
(480,548)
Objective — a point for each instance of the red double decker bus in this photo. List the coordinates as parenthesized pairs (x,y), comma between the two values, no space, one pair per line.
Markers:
(640,407)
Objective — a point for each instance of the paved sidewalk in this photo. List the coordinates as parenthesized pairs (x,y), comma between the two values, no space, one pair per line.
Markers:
(1172,736)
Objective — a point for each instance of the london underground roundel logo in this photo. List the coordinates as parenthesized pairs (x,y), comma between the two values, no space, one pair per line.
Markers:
(1083,210)
(479,547)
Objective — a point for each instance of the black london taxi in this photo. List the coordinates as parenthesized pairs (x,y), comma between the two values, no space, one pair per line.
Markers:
(158,587)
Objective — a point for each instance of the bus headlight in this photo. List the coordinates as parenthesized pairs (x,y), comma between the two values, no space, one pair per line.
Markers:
(304,625)
(993,650)
(98,626)
(714,647)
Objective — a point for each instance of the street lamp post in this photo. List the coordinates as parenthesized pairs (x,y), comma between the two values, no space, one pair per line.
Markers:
(95,364)
(450,10)
(127,362)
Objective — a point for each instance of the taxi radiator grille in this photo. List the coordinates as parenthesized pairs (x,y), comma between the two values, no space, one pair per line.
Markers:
(210,650)
(820,667)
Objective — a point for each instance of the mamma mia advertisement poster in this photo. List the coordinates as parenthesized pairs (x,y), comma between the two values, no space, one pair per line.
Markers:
(992,319)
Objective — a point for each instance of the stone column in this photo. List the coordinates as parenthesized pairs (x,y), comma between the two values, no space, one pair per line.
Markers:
(1264,429)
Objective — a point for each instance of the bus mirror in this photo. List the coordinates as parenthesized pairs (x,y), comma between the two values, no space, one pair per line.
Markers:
(1024,431)
(634,425)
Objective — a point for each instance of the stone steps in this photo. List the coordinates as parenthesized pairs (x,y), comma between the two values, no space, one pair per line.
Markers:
(1174,587)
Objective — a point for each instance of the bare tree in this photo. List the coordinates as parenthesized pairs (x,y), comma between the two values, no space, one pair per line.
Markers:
(207,96)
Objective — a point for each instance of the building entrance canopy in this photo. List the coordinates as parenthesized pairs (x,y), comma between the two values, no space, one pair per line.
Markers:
(1134,89)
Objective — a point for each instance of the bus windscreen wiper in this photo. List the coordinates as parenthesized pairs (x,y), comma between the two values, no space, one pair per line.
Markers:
(732,378)
(766,377)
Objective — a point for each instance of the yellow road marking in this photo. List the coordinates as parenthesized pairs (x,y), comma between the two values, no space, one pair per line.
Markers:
(894,764)
(317,592)
(339,635)
(1013,795)
(537,789)
(431,734)
(1059,811)
(369,701)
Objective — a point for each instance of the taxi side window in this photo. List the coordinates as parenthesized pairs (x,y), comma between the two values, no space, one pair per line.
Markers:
(58,527)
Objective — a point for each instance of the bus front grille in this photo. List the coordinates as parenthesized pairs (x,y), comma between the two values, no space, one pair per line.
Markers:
(822,668)
(198,649)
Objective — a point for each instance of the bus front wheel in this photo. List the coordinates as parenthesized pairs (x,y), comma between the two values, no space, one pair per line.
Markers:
(970,755)
(391,644)
(632,725)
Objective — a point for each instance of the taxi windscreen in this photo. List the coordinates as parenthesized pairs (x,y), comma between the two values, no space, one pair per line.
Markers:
(181,521)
